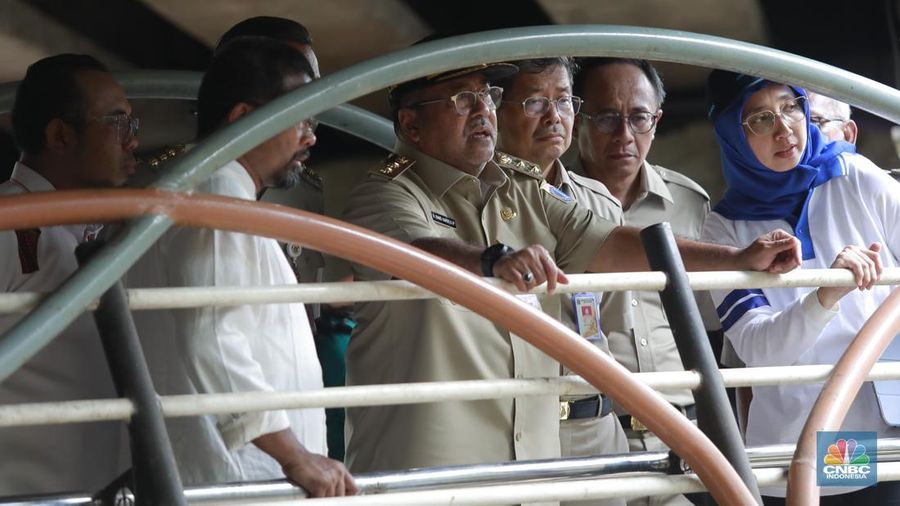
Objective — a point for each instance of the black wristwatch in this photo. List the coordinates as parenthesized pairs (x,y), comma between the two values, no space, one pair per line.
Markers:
(490,256)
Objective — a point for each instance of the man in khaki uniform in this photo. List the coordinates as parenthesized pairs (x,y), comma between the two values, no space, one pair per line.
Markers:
(442,192)
(535,123)
(623,103)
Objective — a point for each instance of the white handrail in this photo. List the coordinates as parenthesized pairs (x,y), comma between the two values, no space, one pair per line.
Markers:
(170,298)
(618,486)
(46,413)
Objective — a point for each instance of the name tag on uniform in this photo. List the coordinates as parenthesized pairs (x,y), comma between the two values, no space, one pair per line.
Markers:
(443,220)
(587,315)
(555,192)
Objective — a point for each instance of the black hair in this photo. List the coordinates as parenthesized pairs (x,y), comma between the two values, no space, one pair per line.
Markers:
(254,70)
(48,91)
(285,30)
(536,66)
(586,65)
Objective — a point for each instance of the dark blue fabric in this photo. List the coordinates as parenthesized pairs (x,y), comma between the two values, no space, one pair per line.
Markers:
(742,308)
(756,192)
(733,297)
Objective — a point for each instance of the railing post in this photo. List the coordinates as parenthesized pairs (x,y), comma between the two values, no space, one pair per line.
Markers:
(714,414)
(155,473)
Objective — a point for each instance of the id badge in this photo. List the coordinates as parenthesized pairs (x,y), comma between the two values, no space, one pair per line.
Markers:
(587,316)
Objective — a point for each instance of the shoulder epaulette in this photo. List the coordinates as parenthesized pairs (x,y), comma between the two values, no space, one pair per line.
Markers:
(311,177)
(519,165)
(670,176)
(167,153)
(394,165)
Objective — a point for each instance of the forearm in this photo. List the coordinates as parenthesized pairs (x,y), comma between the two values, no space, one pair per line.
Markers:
(623,251)
(282,446)
(455,251)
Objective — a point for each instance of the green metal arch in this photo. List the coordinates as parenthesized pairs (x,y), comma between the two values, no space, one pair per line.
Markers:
(39,327)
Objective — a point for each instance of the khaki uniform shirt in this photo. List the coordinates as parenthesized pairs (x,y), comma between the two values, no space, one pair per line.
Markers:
(415,196)
(590,194)
(635,323)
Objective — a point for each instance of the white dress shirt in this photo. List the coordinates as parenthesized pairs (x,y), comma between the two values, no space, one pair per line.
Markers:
(228,349)
(55,458)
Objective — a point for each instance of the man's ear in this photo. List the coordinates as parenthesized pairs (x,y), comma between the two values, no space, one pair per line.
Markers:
(850,130)
(59,135)
(238,111)
(408,124)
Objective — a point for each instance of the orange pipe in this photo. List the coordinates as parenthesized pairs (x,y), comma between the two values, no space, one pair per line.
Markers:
(403,261)
(837,395)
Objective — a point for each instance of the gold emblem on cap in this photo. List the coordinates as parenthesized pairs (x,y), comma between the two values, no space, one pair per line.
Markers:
(508,213)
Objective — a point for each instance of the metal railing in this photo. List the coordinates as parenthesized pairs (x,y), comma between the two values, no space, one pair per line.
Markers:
(40,326)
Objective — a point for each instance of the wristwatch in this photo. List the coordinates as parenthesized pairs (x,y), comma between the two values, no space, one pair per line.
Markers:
(490,256)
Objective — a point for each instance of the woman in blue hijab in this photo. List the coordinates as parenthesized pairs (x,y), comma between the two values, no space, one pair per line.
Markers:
(782,172)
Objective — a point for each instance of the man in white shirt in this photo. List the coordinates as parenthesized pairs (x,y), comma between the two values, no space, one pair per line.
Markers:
(832,117)
(74,128)
(243,348)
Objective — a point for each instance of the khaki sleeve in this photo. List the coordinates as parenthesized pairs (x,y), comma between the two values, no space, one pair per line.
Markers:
(388,208)
(579,233)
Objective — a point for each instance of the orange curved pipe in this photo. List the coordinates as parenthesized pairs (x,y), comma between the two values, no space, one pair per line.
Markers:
(837,395)
(401,260)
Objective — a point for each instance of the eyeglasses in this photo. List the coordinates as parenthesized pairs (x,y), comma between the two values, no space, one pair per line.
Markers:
(763,122)
(465,101)
(535,107)
(607,123)
(126,125)
(822,121)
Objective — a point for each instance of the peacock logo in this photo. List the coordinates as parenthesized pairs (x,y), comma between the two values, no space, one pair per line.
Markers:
(846,452)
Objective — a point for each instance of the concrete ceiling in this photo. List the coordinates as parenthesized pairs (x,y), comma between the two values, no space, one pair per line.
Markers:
(179,34)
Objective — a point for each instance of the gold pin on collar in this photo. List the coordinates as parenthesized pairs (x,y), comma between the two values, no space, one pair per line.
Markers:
(508,213)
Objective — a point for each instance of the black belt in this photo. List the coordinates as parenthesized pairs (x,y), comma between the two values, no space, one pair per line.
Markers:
(590,407)
(631,423)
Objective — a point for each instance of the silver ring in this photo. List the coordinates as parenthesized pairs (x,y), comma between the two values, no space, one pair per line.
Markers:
(528,277)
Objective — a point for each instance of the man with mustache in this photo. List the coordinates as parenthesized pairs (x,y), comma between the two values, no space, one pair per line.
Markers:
(622,105)
(244,348)
(535,123)
(74,128)
(443,191)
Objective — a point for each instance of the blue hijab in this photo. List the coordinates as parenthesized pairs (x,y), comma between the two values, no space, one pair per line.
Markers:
(756,192)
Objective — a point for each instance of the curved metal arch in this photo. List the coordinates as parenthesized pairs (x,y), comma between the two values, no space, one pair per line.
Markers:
(391,256)
(38,328)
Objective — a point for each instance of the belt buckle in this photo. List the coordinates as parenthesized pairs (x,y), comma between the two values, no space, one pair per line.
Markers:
(637,426)
(564,410)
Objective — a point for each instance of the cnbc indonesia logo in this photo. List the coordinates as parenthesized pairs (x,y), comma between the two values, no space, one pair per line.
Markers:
(845,459)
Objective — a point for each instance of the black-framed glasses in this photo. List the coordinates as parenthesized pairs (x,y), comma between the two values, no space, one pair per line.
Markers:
(763,122)
(465,101)
(608,122)
(823,121)
(126,125)
(535,107)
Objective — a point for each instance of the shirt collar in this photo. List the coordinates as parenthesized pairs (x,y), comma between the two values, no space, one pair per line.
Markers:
(439,176)
(652,182)
(31,180)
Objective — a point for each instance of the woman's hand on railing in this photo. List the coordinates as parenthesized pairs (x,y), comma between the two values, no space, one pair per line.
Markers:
(865,265)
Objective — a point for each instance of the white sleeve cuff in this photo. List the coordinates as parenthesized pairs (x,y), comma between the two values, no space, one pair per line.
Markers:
(813,309)
(246,427)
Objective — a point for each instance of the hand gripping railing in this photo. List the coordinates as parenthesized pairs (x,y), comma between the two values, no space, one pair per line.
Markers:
(35,330)
(837,395)
(400,260)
